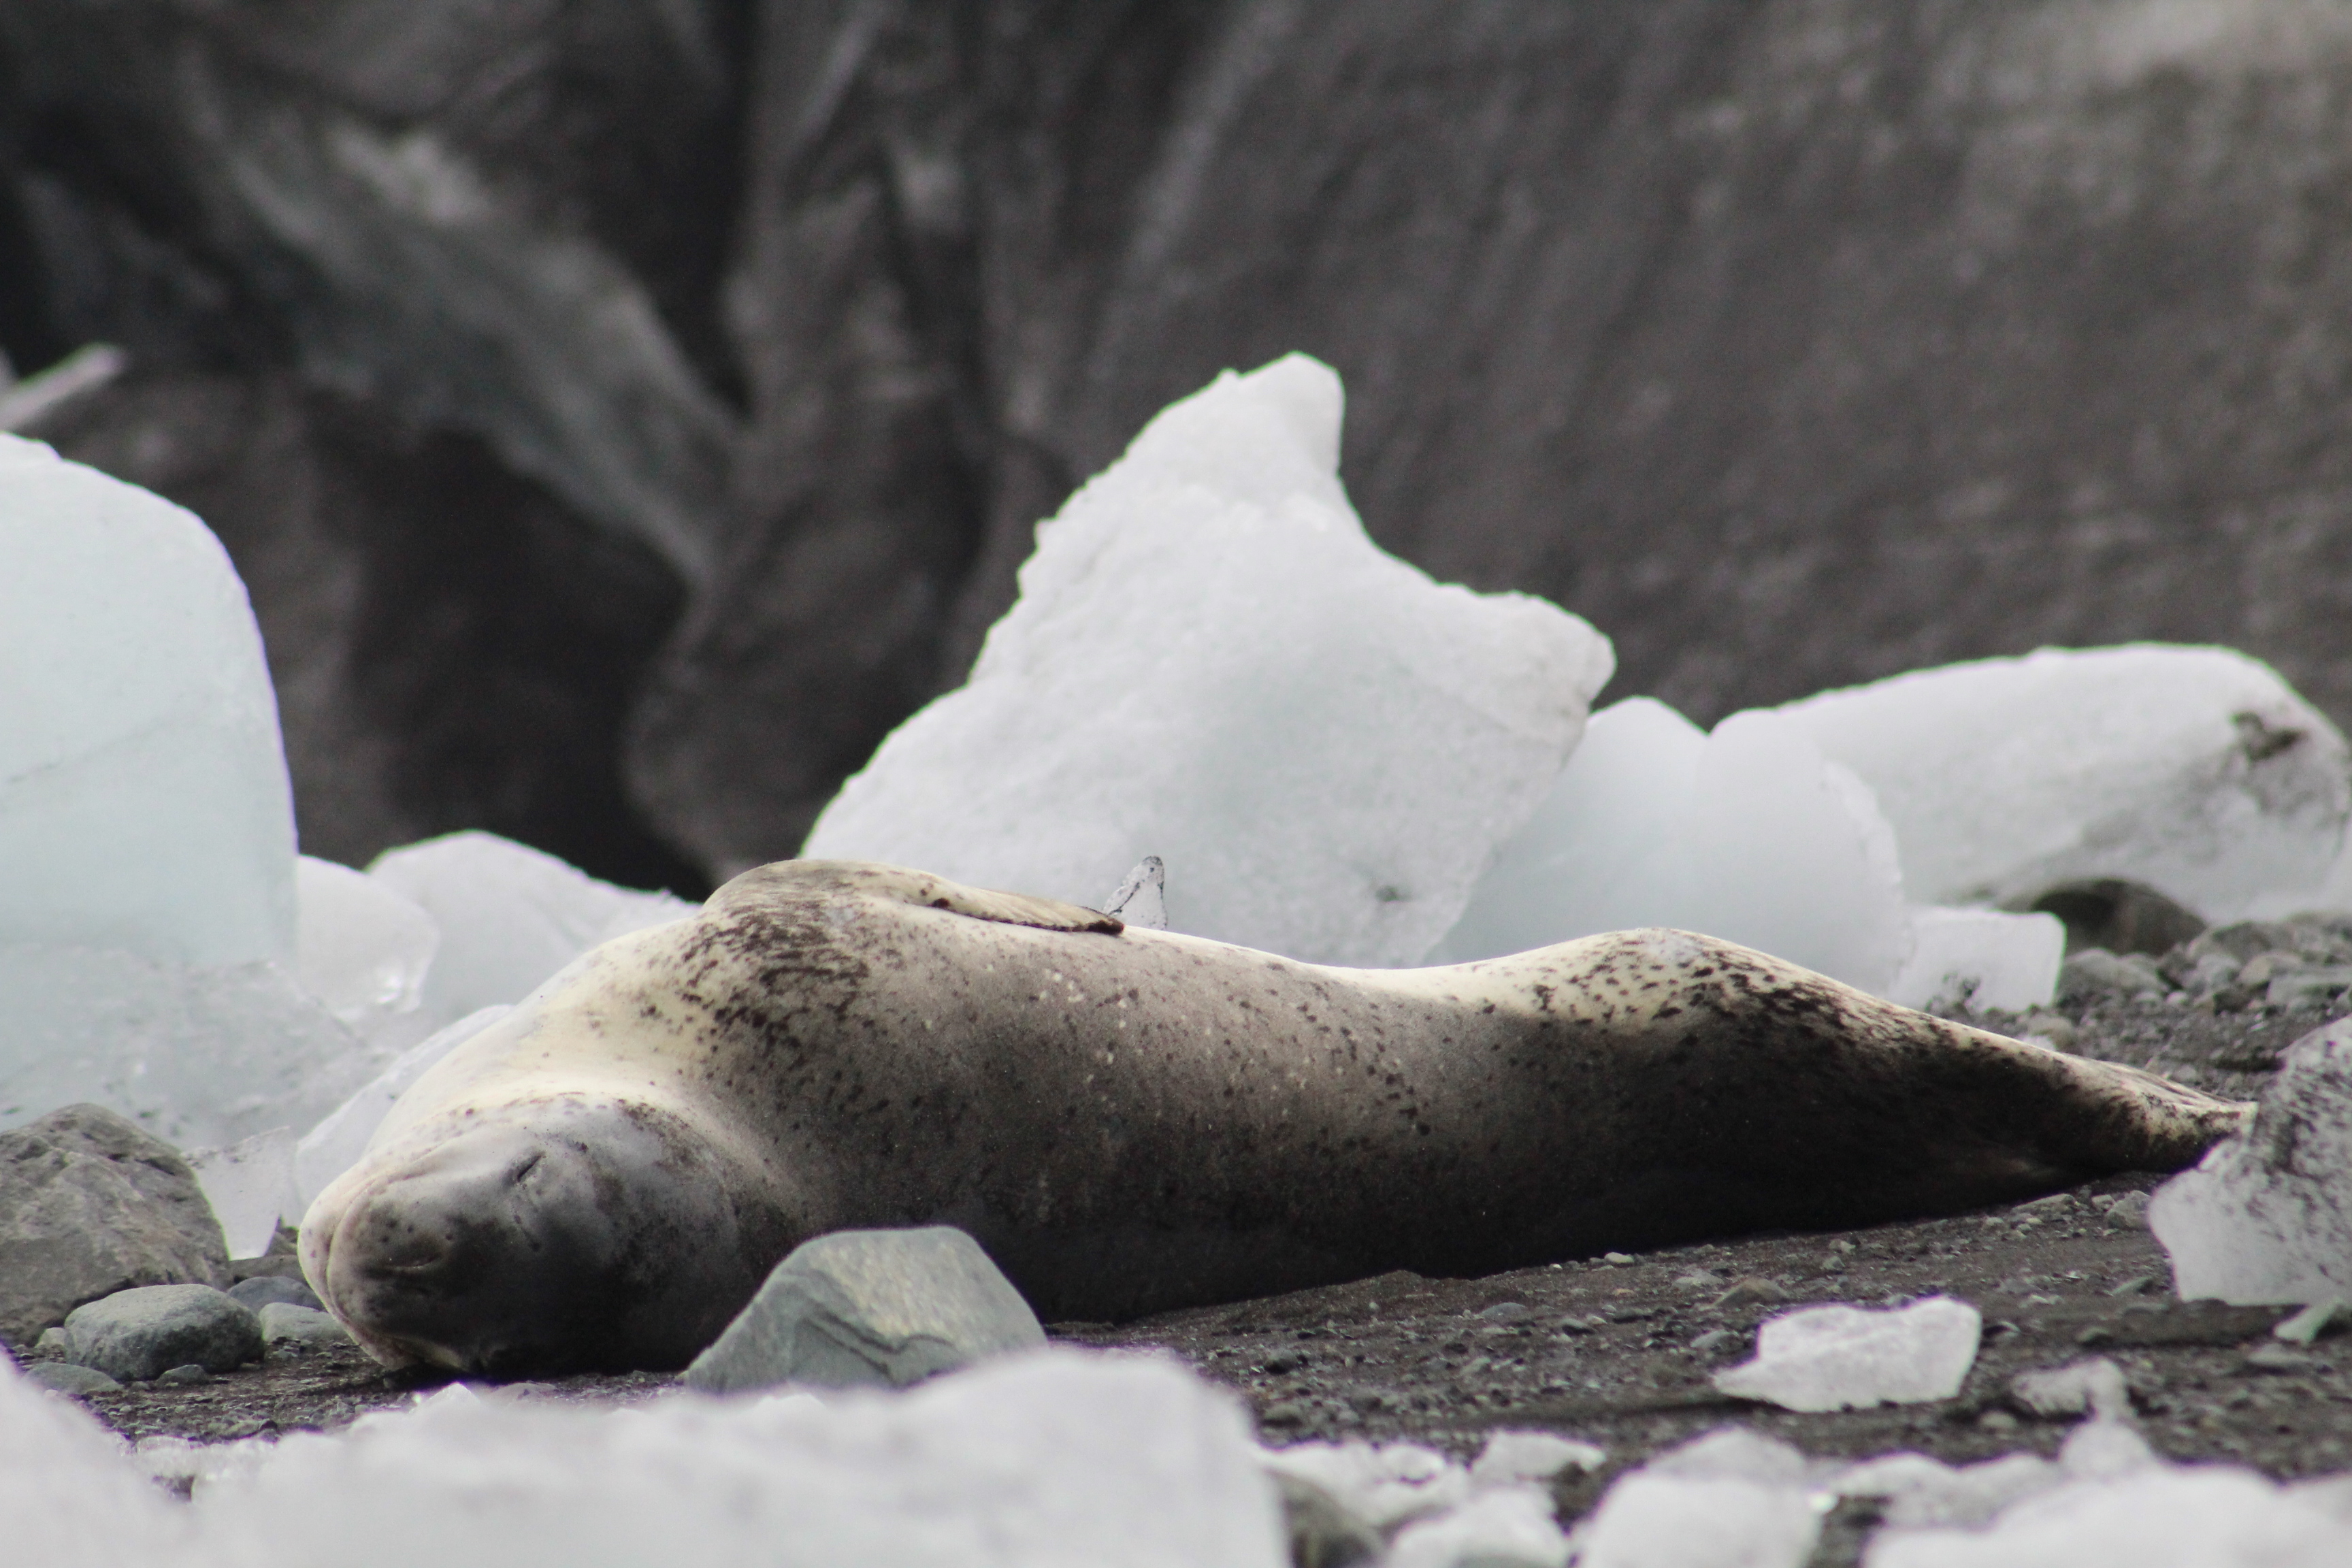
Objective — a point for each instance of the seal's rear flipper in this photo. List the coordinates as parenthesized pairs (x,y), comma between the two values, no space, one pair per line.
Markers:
(899,885)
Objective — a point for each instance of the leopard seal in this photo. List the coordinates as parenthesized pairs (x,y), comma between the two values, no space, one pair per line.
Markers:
(1131,1121)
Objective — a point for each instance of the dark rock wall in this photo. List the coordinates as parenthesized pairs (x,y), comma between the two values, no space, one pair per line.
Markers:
(1792,341)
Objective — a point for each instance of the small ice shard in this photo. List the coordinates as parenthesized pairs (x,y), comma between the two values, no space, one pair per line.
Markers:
(1986,959)
(2095,1387)
(335,1144)
(1510,1527)
(1510,1458)
(200,1056)
(359,947)
(509,915)
(250,1185)
(1211,659)
(1731,1497)
(1748,834)
(144,798)
(2266,1217)
(1914,1489)
(1383,1484)
(1143,899)
(2196,771)
(1844,1358)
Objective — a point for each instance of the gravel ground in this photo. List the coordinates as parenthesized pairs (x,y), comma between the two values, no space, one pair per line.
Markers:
(1620,1351)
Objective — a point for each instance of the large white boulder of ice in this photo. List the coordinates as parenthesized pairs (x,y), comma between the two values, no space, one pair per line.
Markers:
(1050,1460)
(1748,834)
(359,947)
(510,916)
(2266,1218)
(1842,1358)
(1210,661)
(143,797)
(1729,1500)
(2196,771)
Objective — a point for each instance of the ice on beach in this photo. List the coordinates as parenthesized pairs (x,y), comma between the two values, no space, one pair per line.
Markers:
(510,916)
(335,1144)
(1210,661)
(1747,834)
(1511,1527)
(1729,1500)
(1982,957)
(1843,1358)
(2196,771)
(200,1056)
(250,1185)
(1048,1459)
(2266,1218)
(69,1495)
(143,797)
(1382,1484)
(361,948)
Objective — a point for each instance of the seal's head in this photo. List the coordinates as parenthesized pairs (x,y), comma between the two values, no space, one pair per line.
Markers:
(576,1232)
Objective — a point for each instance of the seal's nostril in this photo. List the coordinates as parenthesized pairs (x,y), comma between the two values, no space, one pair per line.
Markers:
(525,1166)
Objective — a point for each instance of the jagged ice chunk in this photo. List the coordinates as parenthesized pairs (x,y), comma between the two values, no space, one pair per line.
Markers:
(1843,1358)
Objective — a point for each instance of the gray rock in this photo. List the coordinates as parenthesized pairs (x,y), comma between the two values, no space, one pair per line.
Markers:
(870,1307)
(193,1372)
(90,1204)
(132,1335)
(261,1291)
(289,1328)
(53,1345)
(65,1377)
(2094,972)
(2306,988)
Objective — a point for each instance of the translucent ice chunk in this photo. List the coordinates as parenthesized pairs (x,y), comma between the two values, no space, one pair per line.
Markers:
(144,799)
(1210,661)
(1747,834)
(1510,1527)
(250,1185)
(2267,1216)
(2161,1517)
(509,915)
(1383,1484)
(1050,1460)
(1843,1358)
(2196,771)
(1729,1499)
(1985,958)
(342,1136)
(359,947)
(200,1056)
(68,1491)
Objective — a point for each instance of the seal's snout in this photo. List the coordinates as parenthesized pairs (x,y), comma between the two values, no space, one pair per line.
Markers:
(582,1236)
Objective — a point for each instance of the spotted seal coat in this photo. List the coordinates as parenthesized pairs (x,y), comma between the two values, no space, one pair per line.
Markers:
(1131,1121)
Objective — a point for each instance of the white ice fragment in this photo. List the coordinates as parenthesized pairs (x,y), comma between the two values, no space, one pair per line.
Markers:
(1508,1527)
(1843,1358)
(2266,1217)
(1512,1458)
(1210,661)
(1747,834)
(2161,1516)
(2104,1449)
(1729,1500)
(198,1055)
(1382,1484)
(1143,899)
(2196,771)
(2093,1387)
(509,915)
(359,947)
(342,1136)
(68,1493)
(144,799)
(1914,1489)
(1986,959)
(1049,1460)
(250,1185)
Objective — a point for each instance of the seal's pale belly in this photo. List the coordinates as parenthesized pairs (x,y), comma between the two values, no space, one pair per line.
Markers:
(1131,1121)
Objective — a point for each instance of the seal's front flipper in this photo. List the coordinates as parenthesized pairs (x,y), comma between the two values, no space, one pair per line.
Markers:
(897,884)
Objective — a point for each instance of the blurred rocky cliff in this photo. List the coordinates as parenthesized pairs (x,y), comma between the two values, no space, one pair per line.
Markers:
(625,411)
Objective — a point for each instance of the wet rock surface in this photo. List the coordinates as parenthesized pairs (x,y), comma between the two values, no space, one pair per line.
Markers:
(1623,1351)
